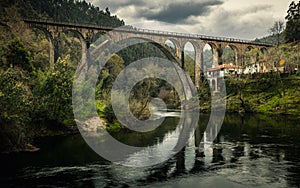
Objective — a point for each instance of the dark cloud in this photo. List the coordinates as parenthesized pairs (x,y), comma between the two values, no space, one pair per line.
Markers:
(179,11)
(117,4)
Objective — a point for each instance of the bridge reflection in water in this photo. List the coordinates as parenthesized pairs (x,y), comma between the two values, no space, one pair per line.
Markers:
(249,151)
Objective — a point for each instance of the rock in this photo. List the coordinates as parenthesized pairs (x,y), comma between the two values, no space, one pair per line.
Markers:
(92,124)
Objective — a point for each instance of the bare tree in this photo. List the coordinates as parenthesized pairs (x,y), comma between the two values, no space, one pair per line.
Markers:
(276,29)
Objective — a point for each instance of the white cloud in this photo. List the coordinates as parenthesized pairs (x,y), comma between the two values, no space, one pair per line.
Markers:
(231,18)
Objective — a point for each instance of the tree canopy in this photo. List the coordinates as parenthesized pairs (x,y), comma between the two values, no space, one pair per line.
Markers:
(74,11)
(292,31)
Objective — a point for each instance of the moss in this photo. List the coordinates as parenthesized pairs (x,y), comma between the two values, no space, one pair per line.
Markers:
(100,106)
(116,126)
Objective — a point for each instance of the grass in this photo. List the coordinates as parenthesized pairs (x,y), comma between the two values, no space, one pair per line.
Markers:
(271,95)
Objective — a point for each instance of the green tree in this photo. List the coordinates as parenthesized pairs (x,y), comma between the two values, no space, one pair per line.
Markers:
(292,31)
(18,55)
(53,92)
(15,110)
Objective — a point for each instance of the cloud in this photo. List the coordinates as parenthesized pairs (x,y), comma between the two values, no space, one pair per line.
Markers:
(246,23)
(230,18)
(114,5)
(178,12)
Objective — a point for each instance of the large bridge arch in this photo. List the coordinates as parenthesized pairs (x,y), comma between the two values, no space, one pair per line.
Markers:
(52,44)
(168,54)
(161,46)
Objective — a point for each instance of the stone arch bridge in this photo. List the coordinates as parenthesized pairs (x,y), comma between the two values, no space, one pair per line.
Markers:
(87,34)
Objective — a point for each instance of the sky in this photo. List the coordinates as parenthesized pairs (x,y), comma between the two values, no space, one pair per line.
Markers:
(243,19)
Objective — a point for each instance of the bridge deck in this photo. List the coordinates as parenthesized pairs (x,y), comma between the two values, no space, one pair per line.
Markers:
(131,29)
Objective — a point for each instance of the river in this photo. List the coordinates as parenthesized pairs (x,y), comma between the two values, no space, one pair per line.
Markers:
(250,151)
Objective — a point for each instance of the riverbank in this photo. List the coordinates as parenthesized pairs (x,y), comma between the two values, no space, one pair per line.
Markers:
(266,94)
(270,94)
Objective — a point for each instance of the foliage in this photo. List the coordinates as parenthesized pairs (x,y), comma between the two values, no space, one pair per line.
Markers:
(207,58)
(54,90)
(292,32)
(35,98)
(190,66)
(18,55)
(288,54)
(15,108)
(70,45)
(253,55)
(228,56)
(270,93)
(74,11)
(272,39)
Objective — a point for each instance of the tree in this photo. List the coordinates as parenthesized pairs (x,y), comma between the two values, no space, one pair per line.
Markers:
(292,32)
(107,11)
(277,29)
(18,55)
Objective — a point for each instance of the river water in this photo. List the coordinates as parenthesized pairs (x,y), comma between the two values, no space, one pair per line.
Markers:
(250,151)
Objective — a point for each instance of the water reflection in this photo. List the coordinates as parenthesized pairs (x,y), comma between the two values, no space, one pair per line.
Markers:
(249,151)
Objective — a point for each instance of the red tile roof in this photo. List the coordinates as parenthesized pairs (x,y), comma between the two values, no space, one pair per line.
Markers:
(224,66)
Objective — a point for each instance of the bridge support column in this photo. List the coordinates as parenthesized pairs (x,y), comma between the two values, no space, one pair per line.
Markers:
(220,53)
(182,60)
(198,62)
(215,61)
(51,53)
(53,38)
(84,48)
(180,161)
(239,59)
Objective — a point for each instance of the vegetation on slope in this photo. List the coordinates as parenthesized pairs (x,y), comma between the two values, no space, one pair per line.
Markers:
(73,11)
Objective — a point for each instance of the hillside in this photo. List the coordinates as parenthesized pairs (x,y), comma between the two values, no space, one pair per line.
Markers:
(271,39)
(73,11)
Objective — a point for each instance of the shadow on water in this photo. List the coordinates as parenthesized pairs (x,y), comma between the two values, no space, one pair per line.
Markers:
(250,151)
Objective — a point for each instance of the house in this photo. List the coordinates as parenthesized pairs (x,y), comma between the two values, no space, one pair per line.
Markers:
(216,73)
(224,70)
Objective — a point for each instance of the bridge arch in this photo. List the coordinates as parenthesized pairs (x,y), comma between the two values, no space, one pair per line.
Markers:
(230,55)
(85,43)
(168,54)
(52,43)
(171,45)
(98,35)
(159,45)
(207,57)
(264,51)
(247,58)
(214,50)
(175,43)
(189,59)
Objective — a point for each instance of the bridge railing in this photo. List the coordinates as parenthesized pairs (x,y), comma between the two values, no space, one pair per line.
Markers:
(141,30)
(227,39)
